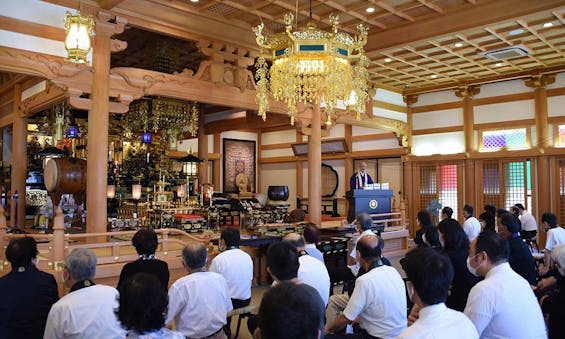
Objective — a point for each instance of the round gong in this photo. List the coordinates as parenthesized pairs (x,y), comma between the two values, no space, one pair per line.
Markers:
(65,175)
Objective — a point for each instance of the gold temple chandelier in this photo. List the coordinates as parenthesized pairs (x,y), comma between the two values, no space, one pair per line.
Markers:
(312,66)
(79,31)
(167,117)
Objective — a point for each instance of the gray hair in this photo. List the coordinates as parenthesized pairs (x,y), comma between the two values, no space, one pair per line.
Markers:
(194,255)
(81,264)
(558,255)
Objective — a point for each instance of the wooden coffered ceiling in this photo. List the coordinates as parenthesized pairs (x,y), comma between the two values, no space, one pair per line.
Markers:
(414,45)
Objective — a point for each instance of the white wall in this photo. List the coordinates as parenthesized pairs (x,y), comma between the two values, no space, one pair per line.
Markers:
(435,119)
(436,98)
(507,111)
(556,106)
(503,88)
(440,143)
(280,174)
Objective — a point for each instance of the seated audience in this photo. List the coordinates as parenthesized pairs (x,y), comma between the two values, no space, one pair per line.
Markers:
(553,303)
(338,302)
(430,238)
(456,247)
(378,302)
(282,265)
(311,271)
(490,209)
(429,275)
(26,293)
(199,302)
(236,267)
(446,213)
(290,311)
(471,226)
(503,305)
(555,236)
(486,219)
(88,310)
(311,234)
(515,214)
(424,220)
(520,257)
(529,225)
(145,243)
(143,307)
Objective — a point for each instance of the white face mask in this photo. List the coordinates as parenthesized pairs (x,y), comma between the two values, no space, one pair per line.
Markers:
(471,268)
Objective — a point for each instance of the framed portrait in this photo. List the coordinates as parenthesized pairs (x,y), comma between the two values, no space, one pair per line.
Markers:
(239,166)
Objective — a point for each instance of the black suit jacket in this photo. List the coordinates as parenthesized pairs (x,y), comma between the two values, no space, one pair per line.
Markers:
(521,259)
(157,267)
(25,300)
(463,280)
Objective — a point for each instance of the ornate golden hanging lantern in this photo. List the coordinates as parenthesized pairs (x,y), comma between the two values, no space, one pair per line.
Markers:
(312,65)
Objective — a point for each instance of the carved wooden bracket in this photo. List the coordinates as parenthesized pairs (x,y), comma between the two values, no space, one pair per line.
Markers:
(540,80)
(117,45)
(410,100)
(467,91)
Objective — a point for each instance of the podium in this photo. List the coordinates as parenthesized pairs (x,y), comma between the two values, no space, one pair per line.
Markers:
(368,201)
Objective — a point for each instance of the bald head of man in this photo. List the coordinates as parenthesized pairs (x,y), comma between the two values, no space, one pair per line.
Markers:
(296,240)
(368,250)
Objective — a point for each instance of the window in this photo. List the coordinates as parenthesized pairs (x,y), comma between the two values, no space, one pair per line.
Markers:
(506,183)
(516,138)
(438,184)
(560,136)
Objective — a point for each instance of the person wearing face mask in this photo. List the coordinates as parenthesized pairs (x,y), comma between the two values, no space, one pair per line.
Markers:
(26,293)
(429,275)
(360,178)
(236,267)
(503,305)
(552,304)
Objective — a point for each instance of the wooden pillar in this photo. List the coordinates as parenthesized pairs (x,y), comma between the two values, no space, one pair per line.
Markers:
(408,192)
(409,100)
(467,93)
(98,122)
(315,168)
(538,82)
(543,197)
(202,150)
(299,171)
(217,150)
(257,188)
(19,160)
(348,158)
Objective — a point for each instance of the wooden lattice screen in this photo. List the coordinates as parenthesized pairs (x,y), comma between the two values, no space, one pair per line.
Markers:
(506,183)
(561,213)
(440,183)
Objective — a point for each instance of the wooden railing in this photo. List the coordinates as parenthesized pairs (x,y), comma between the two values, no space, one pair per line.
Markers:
(110,247)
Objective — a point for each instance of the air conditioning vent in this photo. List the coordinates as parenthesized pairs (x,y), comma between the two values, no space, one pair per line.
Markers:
(507,53)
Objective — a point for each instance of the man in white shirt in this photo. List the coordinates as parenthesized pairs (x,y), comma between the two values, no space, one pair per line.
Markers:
(555,236)
(236,267)
(311,271)
(378,302)
(88,311)
(200,301)
(471,226)
(429,275)
(503,305)
(364,225)
(529,224)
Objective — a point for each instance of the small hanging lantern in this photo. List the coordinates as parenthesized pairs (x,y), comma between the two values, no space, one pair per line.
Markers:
(72,132)
(146,138)
(79,30)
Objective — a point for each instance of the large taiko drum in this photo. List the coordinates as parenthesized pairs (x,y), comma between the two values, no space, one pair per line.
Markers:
(65,175)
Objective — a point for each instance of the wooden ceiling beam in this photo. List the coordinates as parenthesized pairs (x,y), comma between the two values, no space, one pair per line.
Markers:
(109,4)
(250,121)
(460,20)
(392,10)
(361,17)
(431,6)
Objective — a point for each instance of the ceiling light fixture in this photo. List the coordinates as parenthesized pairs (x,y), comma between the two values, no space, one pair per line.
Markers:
(433,76)
(547,24)
(370,9)
(311,66)
(458,44)
(498,64)
(194,1)
(516,31)
(388,59)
